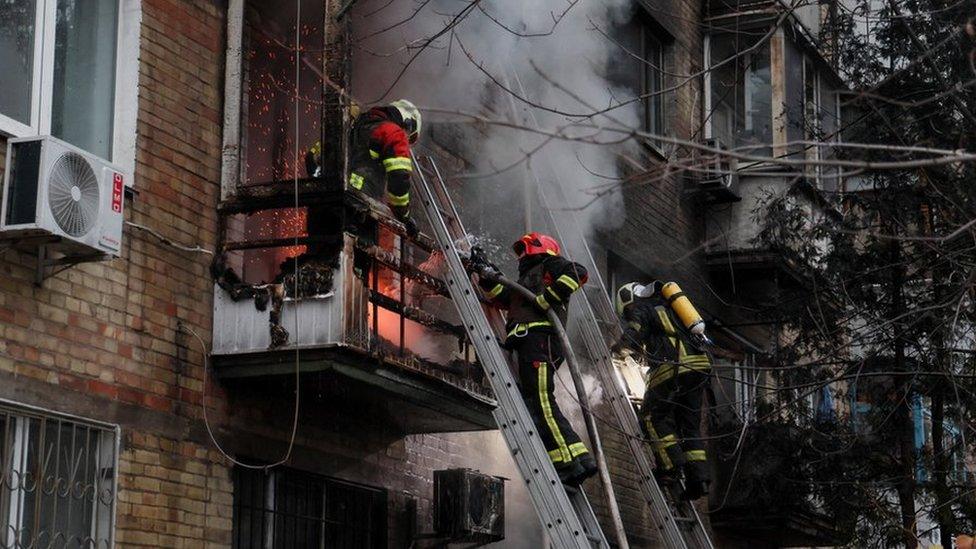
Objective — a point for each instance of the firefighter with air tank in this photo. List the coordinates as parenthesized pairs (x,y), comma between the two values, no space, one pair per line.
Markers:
(663,325)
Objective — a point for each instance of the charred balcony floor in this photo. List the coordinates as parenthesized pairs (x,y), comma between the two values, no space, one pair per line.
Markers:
(338,281)
(414,398)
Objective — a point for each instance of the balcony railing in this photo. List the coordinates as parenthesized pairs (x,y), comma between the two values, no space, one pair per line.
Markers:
(365,301)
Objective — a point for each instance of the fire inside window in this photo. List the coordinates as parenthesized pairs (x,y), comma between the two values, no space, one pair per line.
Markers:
(59,481)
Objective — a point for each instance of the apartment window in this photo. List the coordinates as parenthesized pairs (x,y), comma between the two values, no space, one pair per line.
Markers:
(740,92)
(289,509)
(60,487)
(812,114)
(652,53)
(270,105)
(59,59)
(637,65)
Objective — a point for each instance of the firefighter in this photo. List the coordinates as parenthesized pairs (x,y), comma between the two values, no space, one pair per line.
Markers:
(379,155)
(677,380)
(530,334)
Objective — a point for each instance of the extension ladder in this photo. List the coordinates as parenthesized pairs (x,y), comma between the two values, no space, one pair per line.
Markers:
(565,513)
(679,523)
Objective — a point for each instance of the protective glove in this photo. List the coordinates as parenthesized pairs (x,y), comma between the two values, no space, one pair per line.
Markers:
(479,263)
(411,226)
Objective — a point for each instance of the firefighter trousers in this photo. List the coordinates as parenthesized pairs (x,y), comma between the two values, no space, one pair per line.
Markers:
(672,418)
(539,355)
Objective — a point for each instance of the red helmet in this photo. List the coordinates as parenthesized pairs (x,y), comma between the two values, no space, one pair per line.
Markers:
(535,243)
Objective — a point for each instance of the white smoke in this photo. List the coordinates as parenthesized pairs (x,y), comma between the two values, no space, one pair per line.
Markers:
(560,65)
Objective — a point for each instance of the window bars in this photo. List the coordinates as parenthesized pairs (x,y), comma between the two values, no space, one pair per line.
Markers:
(58,481)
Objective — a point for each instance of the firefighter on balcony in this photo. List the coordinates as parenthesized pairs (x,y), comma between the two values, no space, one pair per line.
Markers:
(379,155)
(530,334)
(662,324)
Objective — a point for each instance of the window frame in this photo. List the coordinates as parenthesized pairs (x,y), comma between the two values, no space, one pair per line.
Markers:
(279,486)
(125,109)
(9,125)
(651,124)
(747,63)
(19,417)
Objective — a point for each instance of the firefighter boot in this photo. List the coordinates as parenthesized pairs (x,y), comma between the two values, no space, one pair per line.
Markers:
(569,471)
(696,481)
(587,468)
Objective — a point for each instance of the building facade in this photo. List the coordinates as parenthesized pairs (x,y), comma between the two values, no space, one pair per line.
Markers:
(134,381)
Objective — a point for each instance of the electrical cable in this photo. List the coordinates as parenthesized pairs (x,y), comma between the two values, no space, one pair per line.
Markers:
(294,426)
(167,241)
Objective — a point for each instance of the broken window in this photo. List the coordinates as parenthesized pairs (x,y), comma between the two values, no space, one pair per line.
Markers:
(741,92)
(282,101)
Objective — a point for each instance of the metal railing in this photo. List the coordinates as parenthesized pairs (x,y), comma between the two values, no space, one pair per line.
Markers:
(58,485)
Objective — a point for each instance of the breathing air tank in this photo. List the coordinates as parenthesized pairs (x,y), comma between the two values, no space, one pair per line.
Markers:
(682,306)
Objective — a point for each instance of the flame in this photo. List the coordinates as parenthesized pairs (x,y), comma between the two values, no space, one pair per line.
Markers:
(417,338)
(262,265)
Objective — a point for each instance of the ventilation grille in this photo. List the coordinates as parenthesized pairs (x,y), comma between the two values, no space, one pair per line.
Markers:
(73,194)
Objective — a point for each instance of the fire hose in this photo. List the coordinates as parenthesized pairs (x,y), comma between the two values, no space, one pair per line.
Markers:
(584,402)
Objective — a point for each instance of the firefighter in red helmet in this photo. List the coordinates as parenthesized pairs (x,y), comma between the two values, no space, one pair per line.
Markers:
(553,279)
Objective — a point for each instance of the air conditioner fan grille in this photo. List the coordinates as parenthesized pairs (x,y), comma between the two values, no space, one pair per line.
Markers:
(73,194)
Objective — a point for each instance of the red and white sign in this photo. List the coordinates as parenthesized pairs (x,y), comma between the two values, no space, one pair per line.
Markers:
(117,192)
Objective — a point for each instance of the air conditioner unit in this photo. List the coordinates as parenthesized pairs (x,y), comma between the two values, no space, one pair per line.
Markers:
(469,506)
(55,190)
(719,180)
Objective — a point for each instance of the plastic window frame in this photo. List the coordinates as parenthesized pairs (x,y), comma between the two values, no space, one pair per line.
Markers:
(126,71)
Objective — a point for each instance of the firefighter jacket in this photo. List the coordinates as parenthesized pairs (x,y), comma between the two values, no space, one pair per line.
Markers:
(653,328)
(553,279)
(380,152)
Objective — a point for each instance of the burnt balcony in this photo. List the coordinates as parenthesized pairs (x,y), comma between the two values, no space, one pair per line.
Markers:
(360,313)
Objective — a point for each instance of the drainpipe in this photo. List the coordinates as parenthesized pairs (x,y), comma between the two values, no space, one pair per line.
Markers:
(230,160)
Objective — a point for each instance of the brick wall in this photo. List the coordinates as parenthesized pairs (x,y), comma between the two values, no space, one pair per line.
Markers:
(101,340)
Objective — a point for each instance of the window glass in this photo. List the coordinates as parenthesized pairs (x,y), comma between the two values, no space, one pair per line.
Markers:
(830,124)
(741,93)
(811,113)
(64,488)
(83,103)
(17,33)
(637,65)
(269,95)
(794,98)
(653,55)
(290,508)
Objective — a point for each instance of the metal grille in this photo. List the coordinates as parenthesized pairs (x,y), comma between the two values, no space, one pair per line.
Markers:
(287,509)
(58,482)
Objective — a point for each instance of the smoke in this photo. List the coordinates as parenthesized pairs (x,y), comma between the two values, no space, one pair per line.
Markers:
(569,402)
(561,61)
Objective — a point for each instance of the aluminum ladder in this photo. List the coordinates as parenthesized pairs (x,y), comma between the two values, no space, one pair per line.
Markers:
(679,524)
(565,513)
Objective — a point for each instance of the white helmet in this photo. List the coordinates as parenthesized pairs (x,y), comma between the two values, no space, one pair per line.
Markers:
(411,117)
(629,292)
